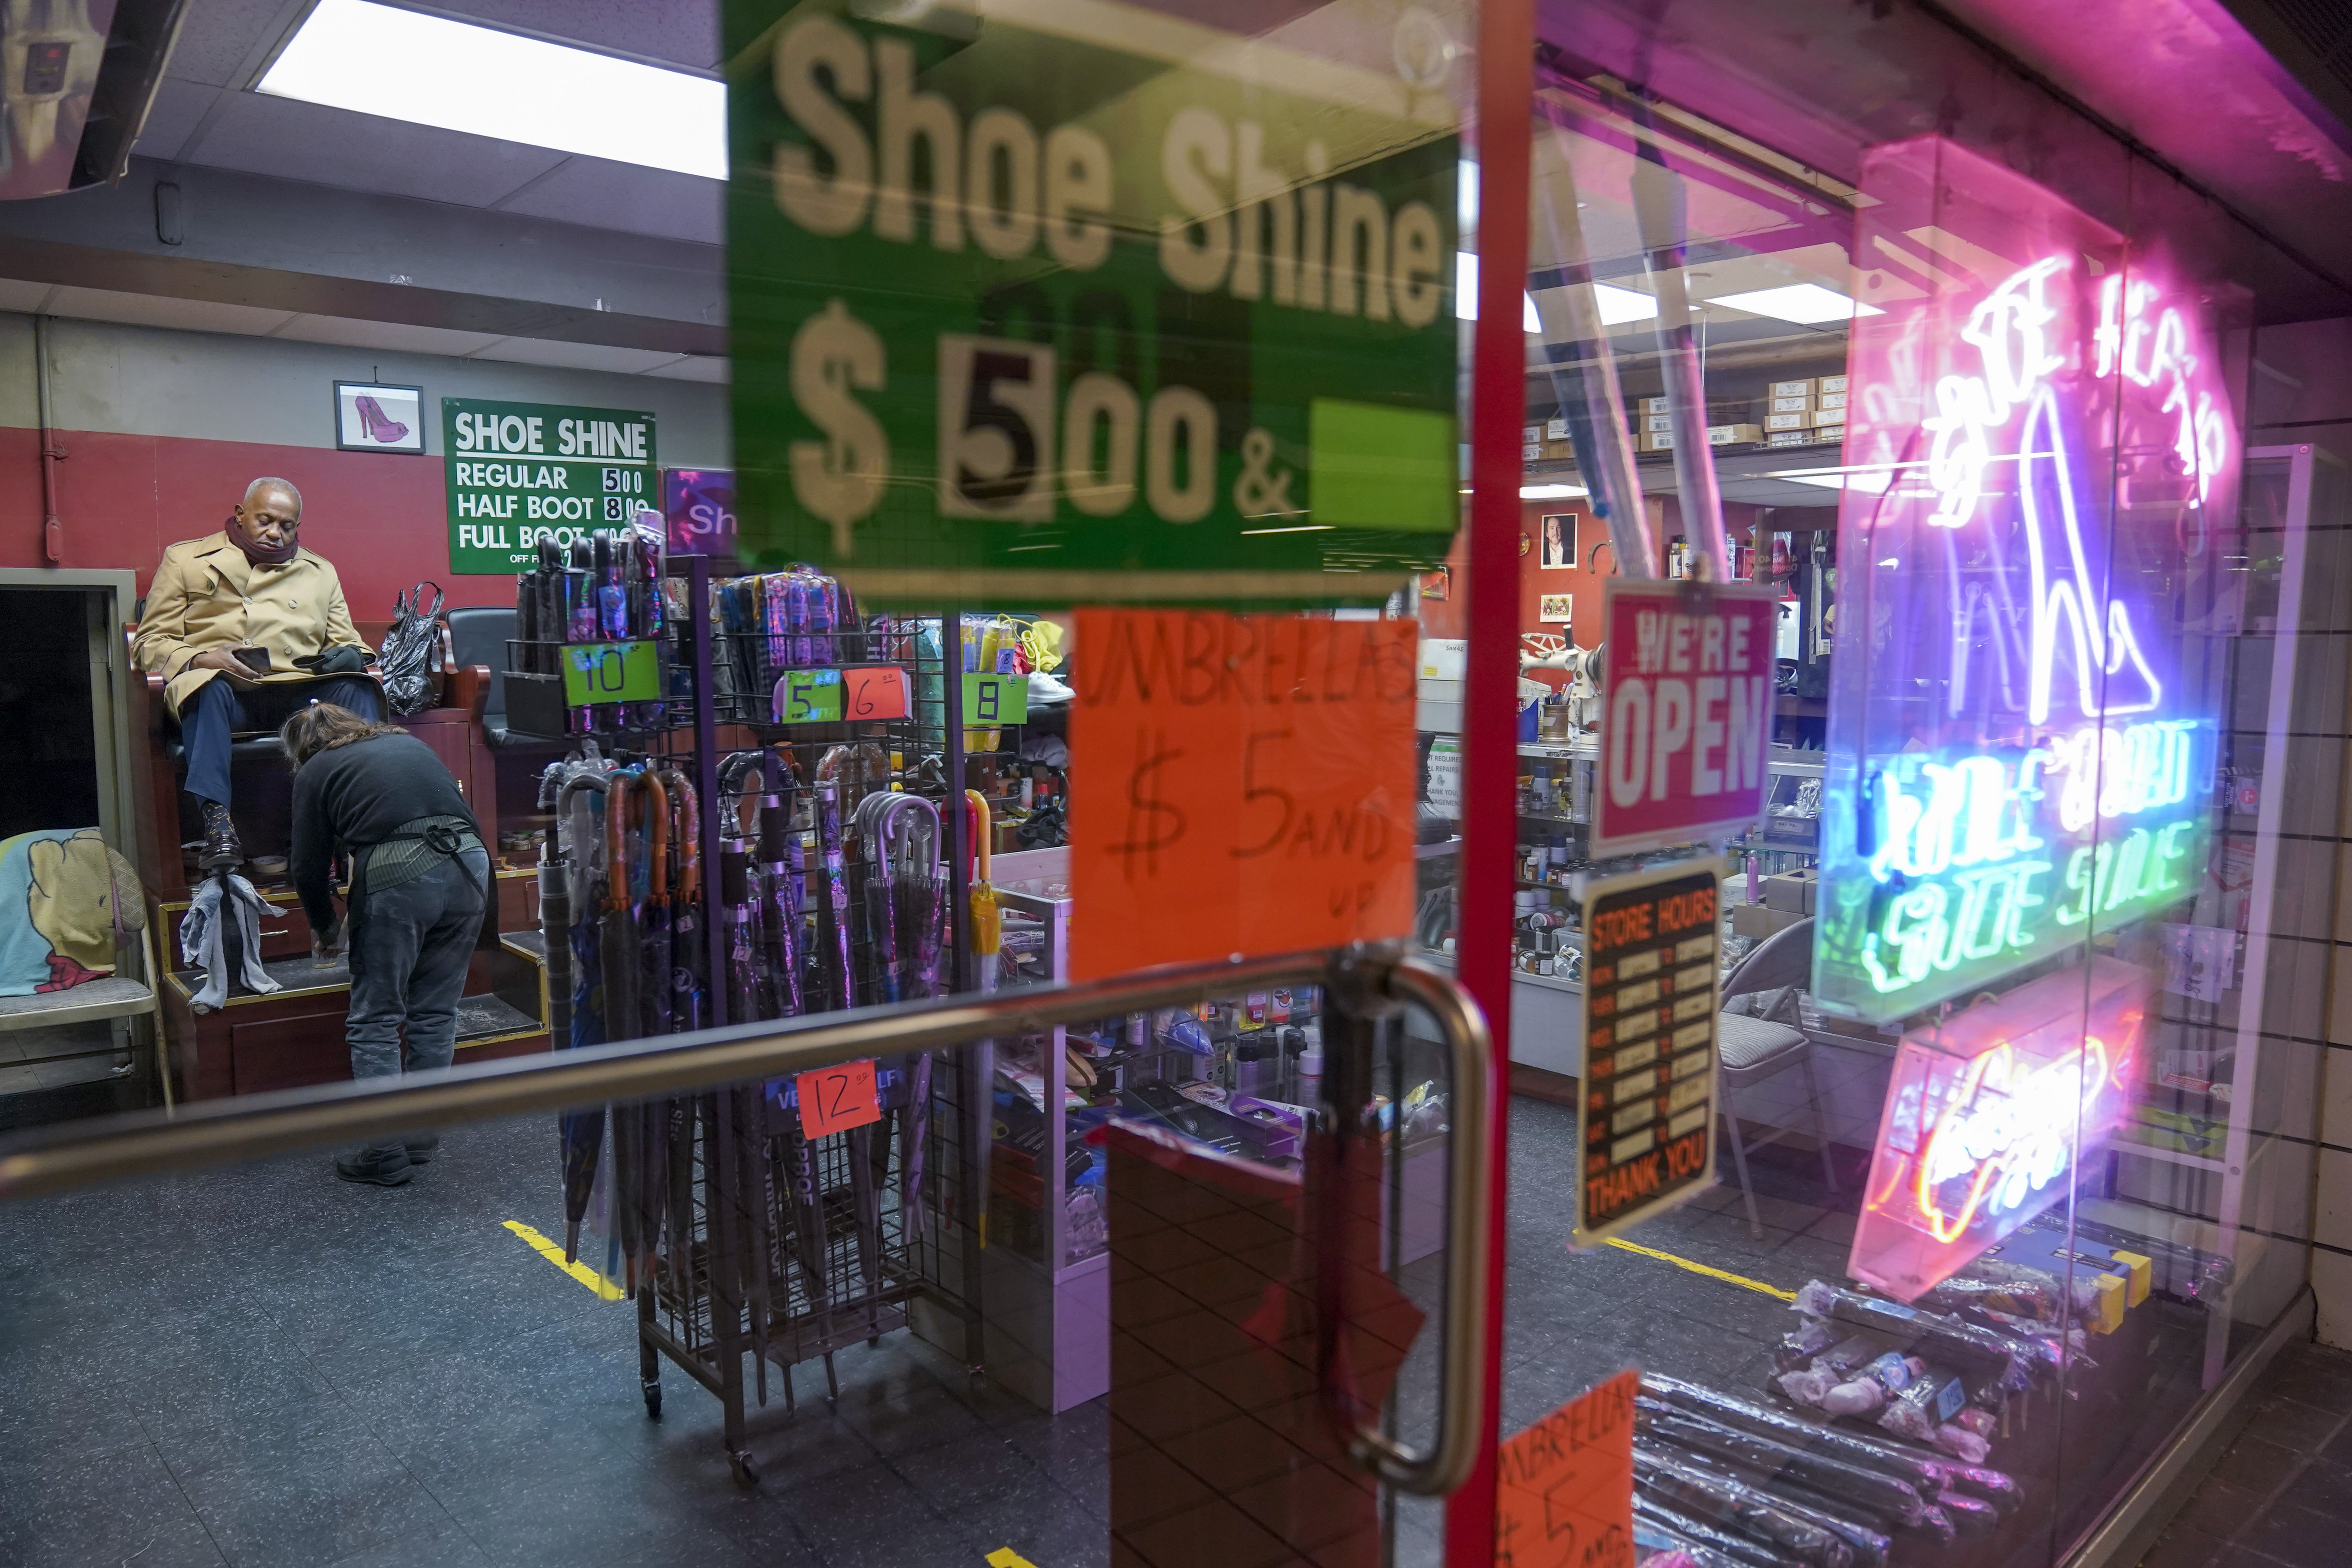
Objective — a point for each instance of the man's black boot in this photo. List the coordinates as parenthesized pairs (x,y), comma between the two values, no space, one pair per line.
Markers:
(221,849)
(381,1165)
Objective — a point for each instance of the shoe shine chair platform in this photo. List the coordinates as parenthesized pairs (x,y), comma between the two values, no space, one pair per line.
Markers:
(295,1036)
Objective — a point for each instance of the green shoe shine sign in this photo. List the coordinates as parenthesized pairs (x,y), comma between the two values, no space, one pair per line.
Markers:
(521,472)
(1052,302)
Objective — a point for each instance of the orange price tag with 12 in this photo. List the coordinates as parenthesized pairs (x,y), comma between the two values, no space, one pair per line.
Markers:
(836,1098)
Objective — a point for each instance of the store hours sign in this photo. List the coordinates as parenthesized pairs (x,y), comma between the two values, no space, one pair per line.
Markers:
(521,472)
(1092,304)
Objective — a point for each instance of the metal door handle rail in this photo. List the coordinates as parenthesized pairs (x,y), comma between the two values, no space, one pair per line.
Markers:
(1462,1414)
(224,1132)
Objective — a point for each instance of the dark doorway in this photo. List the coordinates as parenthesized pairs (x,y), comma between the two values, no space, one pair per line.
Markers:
(48,745)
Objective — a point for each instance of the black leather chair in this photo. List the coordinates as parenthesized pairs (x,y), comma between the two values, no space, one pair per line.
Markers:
(479,632)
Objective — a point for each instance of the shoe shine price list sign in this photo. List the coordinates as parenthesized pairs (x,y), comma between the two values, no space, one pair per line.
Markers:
(1094,303)
(1645,1120)
(522,472)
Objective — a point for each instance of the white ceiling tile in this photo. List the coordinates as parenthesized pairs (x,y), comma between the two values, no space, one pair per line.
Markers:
(695,367)
(178,106)
(23,297)
(154,311)
(220,36)
(393,336)
(296,140)
(574,356)
(627,197)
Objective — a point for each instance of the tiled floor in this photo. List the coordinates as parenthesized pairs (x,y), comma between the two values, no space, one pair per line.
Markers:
(2281,1495)
(264,1367)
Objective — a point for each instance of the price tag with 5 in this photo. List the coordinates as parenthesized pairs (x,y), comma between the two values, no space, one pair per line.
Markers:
(858,692)
(808,697)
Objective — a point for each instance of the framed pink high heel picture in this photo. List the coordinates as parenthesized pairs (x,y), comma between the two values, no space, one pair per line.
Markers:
(371,417)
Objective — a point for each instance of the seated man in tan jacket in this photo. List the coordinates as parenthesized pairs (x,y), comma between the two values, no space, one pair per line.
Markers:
(249,627)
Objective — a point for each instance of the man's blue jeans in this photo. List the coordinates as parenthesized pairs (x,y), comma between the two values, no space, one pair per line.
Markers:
(411,968)
(220,707)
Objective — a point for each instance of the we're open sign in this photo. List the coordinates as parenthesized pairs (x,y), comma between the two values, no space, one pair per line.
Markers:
(1689,672)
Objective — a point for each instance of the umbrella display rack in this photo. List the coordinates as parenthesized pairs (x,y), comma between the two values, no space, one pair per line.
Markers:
(735,1285)
(745,1238)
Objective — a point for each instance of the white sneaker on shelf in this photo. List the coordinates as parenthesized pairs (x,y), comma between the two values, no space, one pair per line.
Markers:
(1045,689)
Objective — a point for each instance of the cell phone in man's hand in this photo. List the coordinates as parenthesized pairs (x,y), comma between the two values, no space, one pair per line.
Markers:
(256,659)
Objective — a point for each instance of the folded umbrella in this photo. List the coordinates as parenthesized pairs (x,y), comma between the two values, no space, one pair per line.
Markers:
(624,1019)
(581,1134)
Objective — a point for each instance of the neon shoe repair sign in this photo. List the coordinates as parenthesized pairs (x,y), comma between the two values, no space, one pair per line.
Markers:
(2021,754)
(1986,1116)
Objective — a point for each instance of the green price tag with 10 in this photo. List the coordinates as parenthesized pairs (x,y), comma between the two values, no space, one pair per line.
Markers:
(612,672)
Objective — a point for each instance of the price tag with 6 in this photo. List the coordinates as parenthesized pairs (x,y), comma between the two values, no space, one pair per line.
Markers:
(860,693)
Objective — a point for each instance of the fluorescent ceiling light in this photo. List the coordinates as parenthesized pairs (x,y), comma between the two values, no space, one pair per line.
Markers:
(1552,492)
(1621,305)
(1465,293)
(1874,480)
(431,70)
(1806,304)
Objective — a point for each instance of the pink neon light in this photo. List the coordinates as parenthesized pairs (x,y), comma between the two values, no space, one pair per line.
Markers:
(1990,1115)
(2046,1083)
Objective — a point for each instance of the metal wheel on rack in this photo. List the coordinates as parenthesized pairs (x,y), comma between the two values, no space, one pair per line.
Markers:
(739,1461)
(653,1401)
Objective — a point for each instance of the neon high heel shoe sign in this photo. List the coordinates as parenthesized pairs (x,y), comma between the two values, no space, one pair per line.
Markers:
(2013,762)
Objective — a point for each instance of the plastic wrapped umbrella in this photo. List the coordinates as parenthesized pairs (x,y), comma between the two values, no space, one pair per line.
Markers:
(617,937)
(581,1134)
(987,919)
(651,916)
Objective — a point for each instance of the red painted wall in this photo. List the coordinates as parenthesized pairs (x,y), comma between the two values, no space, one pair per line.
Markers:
(1448,617)
(383,520)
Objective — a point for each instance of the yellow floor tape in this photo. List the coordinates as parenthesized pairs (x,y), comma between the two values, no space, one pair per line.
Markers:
(1740,1279)
(1005,1557)
(606,1290)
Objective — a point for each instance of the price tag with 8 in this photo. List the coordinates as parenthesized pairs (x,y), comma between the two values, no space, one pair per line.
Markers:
(995,699)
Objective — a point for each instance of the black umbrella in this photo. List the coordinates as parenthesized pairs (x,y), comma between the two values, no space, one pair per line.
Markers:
(580,1133)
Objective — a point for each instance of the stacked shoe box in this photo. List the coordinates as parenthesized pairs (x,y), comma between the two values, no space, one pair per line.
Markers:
(1727,424)
(1803,413)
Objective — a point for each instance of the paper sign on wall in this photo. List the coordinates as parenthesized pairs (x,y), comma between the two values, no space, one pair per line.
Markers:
(1254,786)
(1687,679)
(1564,1492)
(522,472)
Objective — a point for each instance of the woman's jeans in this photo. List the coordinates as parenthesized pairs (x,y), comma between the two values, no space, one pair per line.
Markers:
(418,938)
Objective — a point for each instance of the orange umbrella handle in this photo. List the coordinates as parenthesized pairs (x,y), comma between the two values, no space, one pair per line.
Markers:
(689,832)
(656,821)
(617,839)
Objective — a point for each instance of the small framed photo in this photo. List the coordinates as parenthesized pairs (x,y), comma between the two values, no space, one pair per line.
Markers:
(370,418)
(1559,541)
(1556,609)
